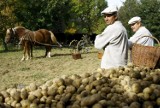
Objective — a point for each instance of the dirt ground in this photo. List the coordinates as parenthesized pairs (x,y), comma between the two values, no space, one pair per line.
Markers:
(15,73)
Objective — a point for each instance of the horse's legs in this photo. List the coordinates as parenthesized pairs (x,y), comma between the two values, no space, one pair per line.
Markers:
(31,51)
(24,52)
(48,51)
(28,48)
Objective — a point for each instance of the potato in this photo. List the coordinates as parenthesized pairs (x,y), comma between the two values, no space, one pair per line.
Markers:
(44,92)
(100,70)
(59,82)
(61,89)
(58,97)
(106,89)
(135,105)
(76,83)
(90,100)
(86,75)
(43,99)
(41,105)
(94,91)
(32,87)
(136,75)
(156,79)
(5,94)
(37,93)
(97,105)
(147,104)
(36,101)
(85,93)
(60,104)
(136,88)
(146,96)
(103,102)
(85,81)
(78,97)
(49,83)
(148,90)
(75,106)
(23,93)
(18,105)
(52,91)
(68,81)
(158,101)
(33,105)
(7,99)
(88,87)
(49,99)
(25,103)
(1,99)
(31,97)
(70,89)
(66,98)
(80,89)
(13,104)
(75,76)
(14,93)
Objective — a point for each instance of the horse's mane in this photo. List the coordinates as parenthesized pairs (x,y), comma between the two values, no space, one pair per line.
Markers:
(19,27)
(20,30)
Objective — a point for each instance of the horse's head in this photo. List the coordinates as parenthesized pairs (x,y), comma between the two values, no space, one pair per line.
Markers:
(10,35)
(14,34)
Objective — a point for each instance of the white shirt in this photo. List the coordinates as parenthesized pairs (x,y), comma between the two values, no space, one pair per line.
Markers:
(146,41)
(114,41)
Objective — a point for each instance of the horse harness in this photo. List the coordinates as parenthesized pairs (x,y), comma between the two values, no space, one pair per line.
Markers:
(28,36)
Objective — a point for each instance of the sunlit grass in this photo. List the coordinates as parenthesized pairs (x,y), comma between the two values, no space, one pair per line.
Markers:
(13,72)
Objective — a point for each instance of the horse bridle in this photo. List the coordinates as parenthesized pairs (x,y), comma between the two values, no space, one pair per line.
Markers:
(11,38)
(15,38)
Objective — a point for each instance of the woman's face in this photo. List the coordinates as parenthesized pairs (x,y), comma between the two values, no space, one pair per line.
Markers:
(135,26)
(109,18)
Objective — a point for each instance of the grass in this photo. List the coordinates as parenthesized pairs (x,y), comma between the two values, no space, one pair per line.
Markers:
(13,72)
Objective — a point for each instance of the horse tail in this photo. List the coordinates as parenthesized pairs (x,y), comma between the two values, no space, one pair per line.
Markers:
(54,40)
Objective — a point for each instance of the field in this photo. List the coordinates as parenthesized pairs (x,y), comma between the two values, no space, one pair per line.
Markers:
(123,87)
(15,73)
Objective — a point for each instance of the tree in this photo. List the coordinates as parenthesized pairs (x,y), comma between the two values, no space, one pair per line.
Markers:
(31,13)
(87,15)
(148,10)
(59,16)
(7,19)
(129,9)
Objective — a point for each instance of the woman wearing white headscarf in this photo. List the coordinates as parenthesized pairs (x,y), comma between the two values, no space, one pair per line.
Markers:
(113,40)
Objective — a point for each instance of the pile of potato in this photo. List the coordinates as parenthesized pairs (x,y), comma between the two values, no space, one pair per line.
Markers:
(123,87)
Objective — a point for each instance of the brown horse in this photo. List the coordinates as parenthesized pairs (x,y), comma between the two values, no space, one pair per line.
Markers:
(28,39)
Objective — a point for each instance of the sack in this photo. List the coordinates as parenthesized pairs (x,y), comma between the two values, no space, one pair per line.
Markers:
(146,56)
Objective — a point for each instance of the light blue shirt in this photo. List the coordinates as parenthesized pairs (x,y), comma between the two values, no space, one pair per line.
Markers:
(114,41)
(146,41)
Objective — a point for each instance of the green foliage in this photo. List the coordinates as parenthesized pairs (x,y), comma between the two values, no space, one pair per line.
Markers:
(59,14)
(30,13)
(129,10)
(7,19)
(75,16)
(87,15)
(84,16)
(148,10)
